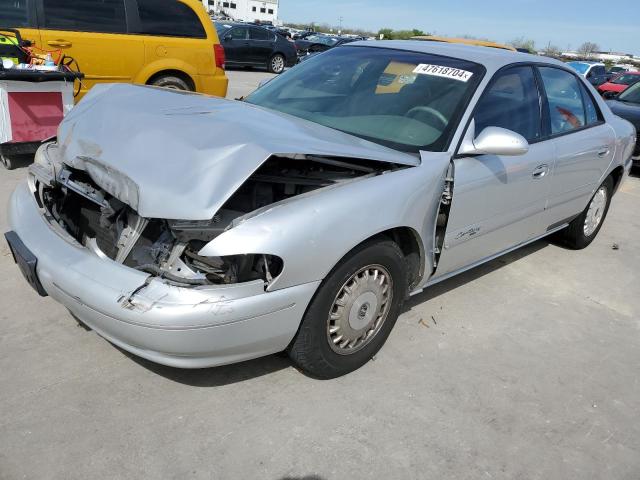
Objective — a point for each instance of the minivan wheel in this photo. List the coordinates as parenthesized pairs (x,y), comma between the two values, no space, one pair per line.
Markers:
(584,229)
(7,162)
(171,82)
(353,312)
(277,64)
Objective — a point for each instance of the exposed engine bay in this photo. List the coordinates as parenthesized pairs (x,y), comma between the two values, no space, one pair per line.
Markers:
(169,248)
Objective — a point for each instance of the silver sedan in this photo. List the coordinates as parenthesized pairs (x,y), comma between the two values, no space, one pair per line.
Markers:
(195,231)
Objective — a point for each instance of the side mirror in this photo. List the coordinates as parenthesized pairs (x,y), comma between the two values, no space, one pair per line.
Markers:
(494,141)
(609,95)
(228,38)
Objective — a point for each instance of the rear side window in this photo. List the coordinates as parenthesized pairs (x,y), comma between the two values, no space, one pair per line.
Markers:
(511,102)
(566,108)
(169,18)
(14,13)
(105,16)
(260,34)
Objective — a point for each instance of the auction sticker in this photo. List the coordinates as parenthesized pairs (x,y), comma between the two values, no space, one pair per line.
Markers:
(444,72)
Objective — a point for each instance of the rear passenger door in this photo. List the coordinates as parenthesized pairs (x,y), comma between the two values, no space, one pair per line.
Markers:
(499,201)
(584,143)
(261,44)
(94,33)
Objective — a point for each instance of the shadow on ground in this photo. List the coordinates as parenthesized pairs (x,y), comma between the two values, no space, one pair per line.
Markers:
(230,374)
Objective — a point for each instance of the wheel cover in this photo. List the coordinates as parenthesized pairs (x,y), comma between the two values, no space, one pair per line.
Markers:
(277,63)
(595,212)
(360,309)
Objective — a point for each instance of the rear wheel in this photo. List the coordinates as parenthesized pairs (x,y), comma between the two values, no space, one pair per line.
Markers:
(353,311)
(7,162)
(277,64)
(584,229)
(172,82)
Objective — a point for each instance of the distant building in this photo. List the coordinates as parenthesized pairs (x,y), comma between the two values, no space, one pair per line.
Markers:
(264,11)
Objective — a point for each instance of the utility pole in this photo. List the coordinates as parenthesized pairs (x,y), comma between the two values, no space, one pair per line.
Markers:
(340,30)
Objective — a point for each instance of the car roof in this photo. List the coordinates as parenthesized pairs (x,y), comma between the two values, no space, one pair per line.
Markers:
(464,41)
(587,62)
(491,58)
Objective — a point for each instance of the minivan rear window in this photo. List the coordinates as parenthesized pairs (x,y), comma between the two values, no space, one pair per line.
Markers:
(169,18)
(14,13)
(105,16)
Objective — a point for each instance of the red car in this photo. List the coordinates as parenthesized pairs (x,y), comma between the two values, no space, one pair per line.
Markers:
(619,83)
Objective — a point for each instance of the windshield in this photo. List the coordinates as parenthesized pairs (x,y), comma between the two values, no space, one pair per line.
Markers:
(579,67)
(631,94)
(404,100)
(329,41)
(626,79)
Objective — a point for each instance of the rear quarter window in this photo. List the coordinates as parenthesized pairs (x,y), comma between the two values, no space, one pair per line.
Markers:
(169,18)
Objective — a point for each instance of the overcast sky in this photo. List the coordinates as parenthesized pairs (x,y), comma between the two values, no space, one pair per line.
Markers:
(565,23)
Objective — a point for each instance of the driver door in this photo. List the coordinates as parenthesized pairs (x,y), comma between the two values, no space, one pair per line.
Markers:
(237,49)
(499,201)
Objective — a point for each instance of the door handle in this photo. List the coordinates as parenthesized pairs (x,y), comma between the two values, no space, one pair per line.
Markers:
(59,43)
(603,151)
(540,171)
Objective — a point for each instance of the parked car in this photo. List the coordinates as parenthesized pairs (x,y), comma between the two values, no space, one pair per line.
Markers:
(167,43)
(195,231)
(620,69)
(619,83)
(319,43)
(627,106)
(594,72)
(301,35)
(254,46)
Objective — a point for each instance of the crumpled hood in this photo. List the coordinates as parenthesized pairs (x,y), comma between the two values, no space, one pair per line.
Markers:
(181,156)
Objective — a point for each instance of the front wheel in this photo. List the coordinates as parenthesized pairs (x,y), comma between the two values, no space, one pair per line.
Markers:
(277,64)
(353,311)
(584,229)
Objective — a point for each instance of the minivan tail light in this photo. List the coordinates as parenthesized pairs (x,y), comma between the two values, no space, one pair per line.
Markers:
(218,51)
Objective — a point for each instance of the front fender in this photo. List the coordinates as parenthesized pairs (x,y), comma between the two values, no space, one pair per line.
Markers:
(313,233)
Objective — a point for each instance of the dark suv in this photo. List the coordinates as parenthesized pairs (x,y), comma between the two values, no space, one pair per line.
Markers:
(252,45)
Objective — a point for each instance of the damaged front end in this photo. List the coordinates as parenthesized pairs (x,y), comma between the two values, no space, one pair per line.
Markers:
(97,208)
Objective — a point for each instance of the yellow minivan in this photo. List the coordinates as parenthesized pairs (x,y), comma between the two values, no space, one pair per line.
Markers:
(167,43)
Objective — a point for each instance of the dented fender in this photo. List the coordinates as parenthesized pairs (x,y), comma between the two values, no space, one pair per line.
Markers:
(313,233)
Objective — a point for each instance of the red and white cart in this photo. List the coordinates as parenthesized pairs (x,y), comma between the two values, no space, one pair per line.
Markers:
(32,105)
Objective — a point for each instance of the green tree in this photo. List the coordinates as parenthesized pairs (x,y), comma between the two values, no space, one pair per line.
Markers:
(526,43)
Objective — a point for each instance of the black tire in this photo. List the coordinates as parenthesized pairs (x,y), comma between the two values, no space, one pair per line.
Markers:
(7,162)
(574,236)
(174,83)
(310,350)
(277,64)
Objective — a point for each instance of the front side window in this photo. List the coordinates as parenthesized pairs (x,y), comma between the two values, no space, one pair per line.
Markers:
(240,33)
(104,16)
(404,100)
(14,13)
(566,108)
(511,102)
(169,18)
